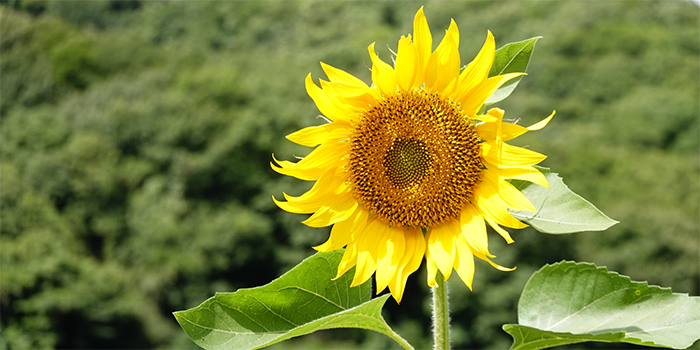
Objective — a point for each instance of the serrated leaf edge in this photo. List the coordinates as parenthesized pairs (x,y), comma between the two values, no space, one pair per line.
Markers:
(518,214)
(623,338)
(604,269)
(627,339)
(379,300)
(536,38)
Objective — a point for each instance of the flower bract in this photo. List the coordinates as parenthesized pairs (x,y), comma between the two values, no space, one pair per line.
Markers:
(410,168)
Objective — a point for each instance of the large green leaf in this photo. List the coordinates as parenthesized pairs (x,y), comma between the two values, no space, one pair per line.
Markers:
(559,210)
(511,58)
(302,301)
(570,302)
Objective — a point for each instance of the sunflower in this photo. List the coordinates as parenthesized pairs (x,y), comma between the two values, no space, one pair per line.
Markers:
(408,167)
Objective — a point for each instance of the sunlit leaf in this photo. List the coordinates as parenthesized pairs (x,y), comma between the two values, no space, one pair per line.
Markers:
(559,210)
(302,301)
(570,302)
(511,58)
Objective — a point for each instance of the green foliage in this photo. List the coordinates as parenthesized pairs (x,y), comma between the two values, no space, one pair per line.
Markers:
(570,302)
(135,140)
(532,338)
(559,210)
(304,300)
(511,58)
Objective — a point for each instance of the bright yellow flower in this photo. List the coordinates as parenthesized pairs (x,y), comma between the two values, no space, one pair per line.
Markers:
(407,168)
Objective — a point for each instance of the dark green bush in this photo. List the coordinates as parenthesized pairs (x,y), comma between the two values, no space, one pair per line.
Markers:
(136,140)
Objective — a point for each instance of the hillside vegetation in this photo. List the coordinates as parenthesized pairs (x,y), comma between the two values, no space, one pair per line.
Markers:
(136,139)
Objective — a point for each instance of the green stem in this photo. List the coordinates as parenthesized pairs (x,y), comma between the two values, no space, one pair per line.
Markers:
(441,314)
(398,338)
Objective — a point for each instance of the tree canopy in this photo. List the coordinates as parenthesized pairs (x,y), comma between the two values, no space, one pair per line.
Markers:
(136,139)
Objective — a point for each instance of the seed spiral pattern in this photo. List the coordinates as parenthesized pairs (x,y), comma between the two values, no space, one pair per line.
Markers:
(414,159)
(406,162)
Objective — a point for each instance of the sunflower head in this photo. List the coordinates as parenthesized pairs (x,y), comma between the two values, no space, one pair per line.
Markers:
(408,168)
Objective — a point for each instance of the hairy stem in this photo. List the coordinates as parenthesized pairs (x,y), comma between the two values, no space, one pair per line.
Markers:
(441,314)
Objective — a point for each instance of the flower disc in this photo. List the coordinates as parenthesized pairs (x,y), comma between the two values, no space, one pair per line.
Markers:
(414,159)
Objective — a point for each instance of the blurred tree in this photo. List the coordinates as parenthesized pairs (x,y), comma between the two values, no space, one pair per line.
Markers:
(136,138)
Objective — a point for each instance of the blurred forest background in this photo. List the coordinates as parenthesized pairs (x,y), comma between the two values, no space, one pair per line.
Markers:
(136,140)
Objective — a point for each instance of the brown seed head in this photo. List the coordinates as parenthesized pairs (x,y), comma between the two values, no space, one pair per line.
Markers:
(414,159)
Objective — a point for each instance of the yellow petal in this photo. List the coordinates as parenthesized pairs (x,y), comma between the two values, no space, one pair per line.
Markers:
(411,260)
(301,208)
(494,211)
(449,91)
(488,131)
(350,256)
(332,181)
(281,163)
(443,65)
(505,234)
(325,156)
(341,234)
(360,223)
(475,98)
(464,262)
(542,123)
(510,156)
(494,129)
(441,246)
(407,69)
(390,253)
(486,117)
(498,267)
(478,70)
(336,209)
(340,76)
(490,204)
(450,70)
(314,198)
(453,31)
(474,229)
(424,43)
(313,136)
(329,109)
(355,96)
(526,173)
(512,198)
(431,268)
(367,252)
(348,261)
(287,168)
(383,75)
(509,131)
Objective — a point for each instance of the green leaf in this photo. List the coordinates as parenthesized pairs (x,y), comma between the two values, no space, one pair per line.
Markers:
(570,302)
(559,210)
(511,58)
(302,301)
